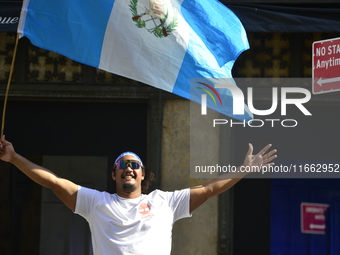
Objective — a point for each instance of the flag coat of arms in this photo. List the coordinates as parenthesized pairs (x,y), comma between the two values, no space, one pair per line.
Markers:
(162,43)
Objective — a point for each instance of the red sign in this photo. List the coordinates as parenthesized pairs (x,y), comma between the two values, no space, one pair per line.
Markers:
(313,218)
(326,66)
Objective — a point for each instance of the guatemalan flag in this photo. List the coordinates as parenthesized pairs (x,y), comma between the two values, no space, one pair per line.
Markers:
(162,43)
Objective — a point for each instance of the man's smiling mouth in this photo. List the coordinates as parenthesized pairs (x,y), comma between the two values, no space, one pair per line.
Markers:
(129,177)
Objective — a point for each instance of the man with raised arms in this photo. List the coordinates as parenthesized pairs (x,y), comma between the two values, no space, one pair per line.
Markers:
(129,221)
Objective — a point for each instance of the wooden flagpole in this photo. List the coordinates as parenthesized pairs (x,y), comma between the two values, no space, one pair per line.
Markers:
(8,85)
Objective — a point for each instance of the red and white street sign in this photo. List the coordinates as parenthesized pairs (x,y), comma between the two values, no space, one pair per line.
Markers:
(313,218)
(326,66)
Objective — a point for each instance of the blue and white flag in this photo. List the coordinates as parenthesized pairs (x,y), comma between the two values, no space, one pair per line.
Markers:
(162,43)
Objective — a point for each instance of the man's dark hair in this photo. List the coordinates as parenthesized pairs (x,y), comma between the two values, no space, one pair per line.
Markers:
(149,177)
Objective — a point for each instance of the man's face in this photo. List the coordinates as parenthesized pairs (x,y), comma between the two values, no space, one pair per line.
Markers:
(128,180)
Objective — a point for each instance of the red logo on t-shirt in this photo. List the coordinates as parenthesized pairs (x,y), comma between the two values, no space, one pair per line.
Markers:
(144,210)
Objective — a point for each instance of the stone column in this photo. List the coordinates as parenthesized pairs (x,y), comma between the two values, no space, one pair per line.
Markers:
(198,234)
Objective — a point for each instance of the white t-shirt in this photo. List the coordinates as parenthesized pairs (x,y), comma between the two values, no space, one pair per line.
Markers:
(132,226)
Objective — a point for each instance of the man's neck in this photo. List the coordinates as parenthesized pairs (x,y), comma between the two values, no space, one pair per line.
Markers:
(133,194)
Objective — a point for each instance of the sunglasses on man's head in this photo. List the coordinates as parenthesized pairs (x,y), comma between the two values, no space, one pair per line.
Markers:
(123,164)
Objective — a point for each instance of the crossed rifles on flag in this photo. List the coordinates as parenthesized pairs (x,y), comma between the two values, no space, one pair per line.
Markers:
(157,10)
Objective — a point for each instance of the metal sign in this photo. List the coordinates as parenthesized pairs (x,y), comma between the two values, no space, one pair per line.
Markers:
(326,66)
(313,218)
